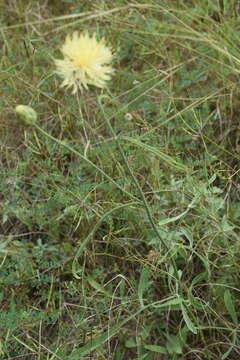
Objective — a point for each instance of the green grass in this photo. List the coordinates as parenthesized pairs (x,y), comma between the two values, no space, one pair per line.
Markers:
(120,209)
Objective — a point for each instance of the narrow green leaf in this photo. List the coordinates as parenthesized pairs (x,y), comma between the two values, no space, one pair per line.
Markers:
(171,303)
(187,320)
(175,218)
(194,301)
(97,286)
(164,157)
(199,278)
(229,303)
(156,348)
(143,284)
(174,345)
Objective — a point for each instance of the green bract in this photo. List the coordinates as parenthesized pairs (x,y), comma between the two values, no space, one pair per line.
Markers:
(27,114)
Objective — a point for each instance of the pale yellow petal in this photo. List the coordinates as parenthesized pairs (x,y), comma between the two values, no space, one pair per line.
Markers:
(86,62)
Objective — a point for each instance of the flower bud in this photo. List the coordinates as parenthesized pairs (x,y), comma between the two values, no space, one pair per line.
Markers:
(27,114)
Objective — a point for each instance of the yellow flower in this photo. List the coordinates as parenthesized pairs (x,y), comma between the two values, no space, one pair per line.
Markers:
(85,62)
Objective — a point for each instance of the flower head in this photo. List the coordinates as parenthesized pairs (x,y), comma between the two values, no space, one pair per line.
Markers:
(86,62)
(27,114)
